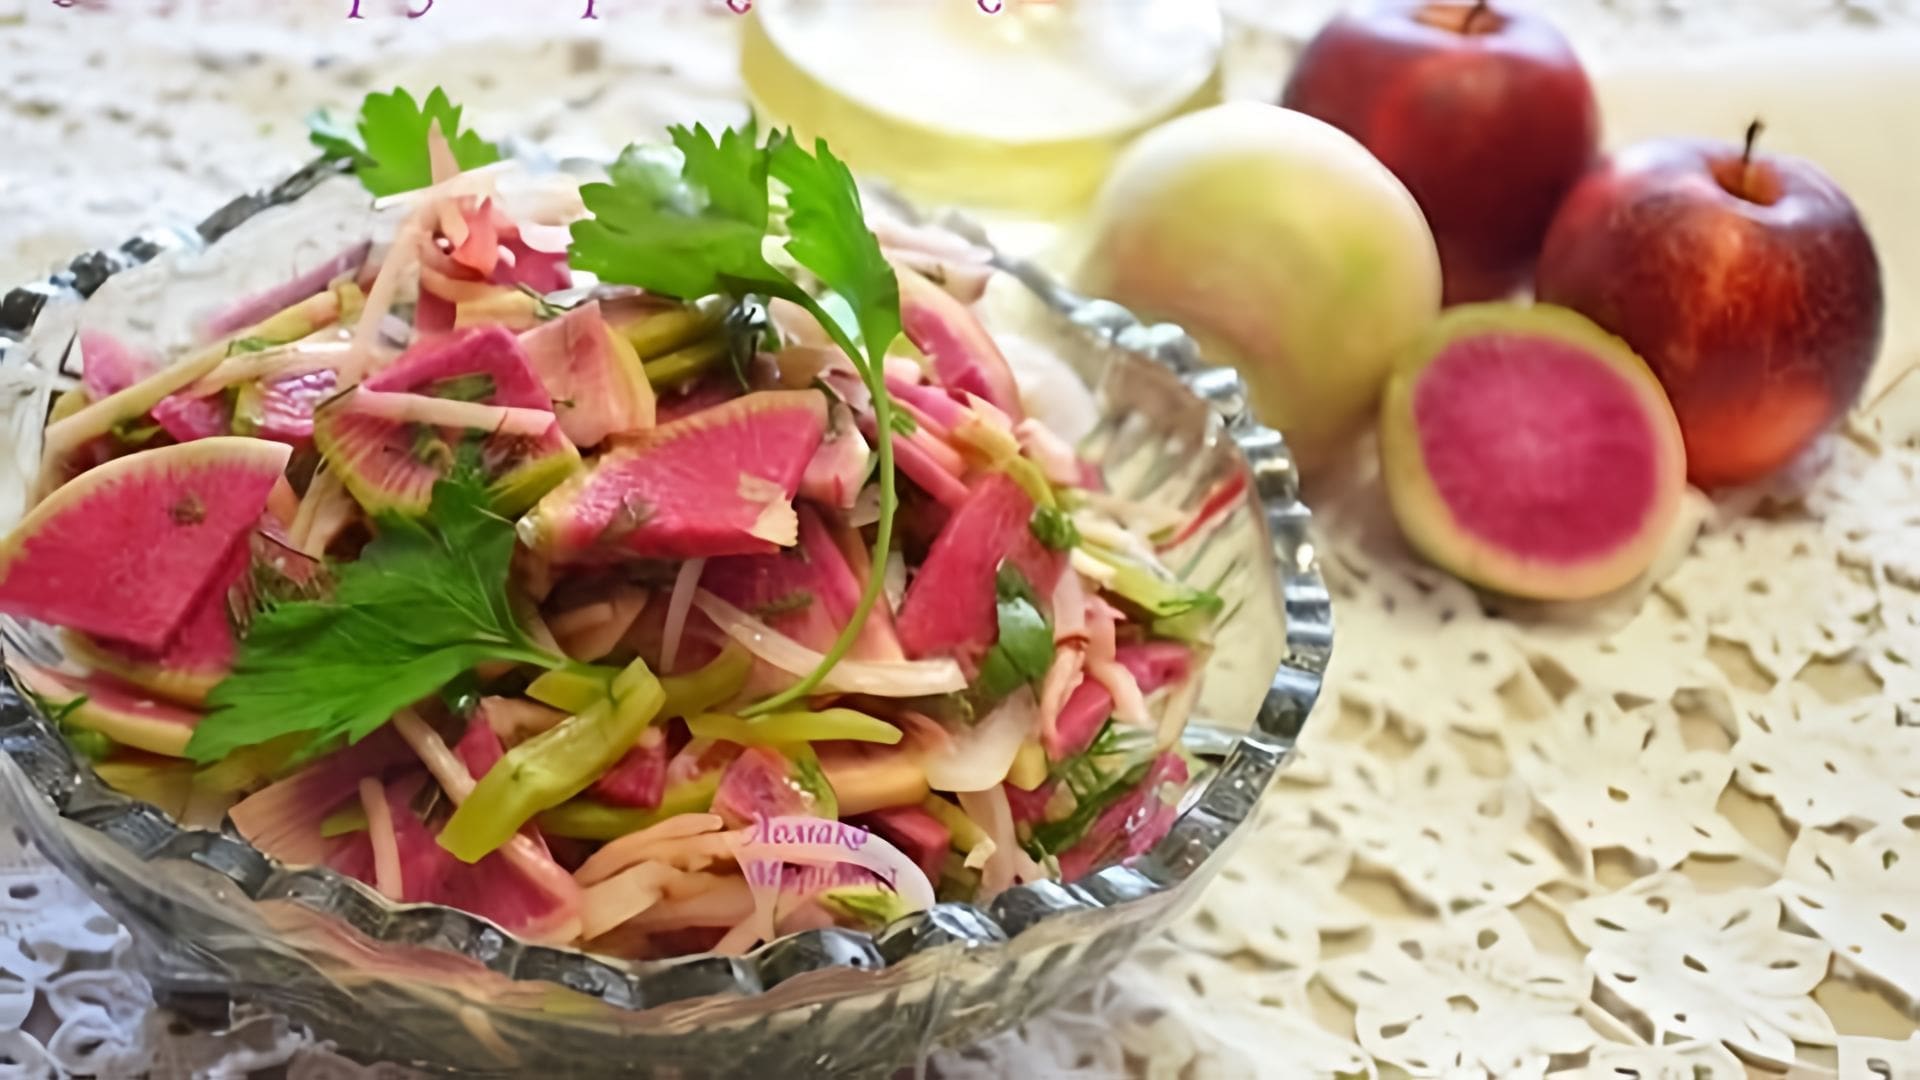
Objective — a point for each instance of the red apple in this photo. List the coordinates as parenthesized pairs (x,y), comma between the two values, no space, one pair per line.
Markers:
(1482,111)
(1747,282)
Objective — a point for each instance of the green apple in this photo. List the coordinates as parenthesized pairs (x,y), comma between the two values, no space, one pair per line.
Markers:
(1283,247)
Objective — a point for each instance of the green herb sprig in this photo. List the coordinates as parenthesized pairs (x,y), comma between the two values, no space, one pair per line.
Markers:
(1024,649)
(700,227)
(387,141)
(425,603)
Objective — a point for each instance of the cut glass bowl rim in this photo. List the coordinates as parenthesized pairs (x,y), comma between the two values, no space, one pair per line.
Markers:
(1211,815)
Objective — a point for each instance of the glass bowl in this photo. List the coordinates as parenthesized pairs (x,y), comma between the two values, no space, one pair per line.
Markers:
(214,919)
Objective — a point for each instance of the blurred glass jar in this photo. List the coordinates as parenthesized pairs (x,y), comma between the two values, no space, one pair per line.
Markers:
(1012,104)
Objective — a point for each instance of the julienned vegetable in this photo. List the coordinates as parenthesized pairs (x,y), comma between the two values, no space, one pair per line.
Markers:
(608,618)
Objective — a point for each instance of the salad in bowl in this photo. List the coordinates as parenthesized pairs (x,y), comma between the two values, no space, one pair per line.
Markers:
(657,566)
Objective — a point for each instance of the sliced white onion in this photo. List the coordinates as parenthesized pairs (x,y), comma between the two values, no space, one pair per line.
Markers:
(1006,864)
(1055,458)
(633,847)
(980,756)
(446,412)
(891,679)
(1069,602)
(1129,705)
(623,896)
(402,257)
(685,584)
(386,846)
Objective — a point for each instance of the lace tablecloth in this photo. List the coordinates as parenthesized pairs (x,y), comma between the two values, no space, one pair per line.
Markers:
(1674,834)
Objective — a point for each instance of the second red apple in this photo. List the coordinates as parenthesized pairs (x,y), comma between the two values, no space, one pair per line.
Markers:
(1483,112)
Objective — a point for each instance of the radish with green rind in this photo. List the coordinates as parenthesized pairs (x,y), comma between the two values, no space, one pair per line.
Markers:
(114,709)
(390,462)
(593,375)
(718,482)
(69,563)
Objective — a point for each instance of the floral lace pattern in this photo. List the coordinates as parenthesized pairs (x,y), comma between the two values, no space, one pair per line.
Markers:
(1672,834)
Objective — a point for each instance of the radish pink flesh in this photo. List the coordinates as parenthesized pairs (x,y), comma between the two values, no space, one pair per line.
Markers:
(1029,807)
(1537,447)
(189,418)
(258,307)
(284,407)
(688,489)
(108,365)
(915,832)
(187,507)
(480,749)
(283,819)
(1153,664)
(759,783)
(202,648)
(377,457)
(950,605)
(638,779)
(808,593)
(963,353)
(574,358)
(493,888)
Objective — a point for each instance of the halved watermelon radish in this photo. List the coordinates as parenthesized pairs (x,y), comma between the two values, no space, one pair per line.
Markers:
(950,605)
(963,353)
(593,375)
(719,482)
(283,819)
(1529,451)
(114,709)
(123,550)
(391,465)
(808,593)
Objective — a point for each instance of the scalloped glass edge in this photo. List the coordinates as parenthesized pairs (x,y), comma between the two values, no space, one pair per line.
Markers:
(107,836)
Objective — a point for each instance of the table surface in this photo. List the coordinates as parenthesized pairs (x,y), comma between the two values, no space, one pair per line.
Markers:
(1674,831)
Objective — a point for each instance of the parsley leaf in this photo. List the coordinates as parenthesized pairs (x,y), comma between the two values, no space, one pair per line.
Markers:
(425,602)
(388,146)
(699,228)
(1024,649)
(829,236)
(690,234)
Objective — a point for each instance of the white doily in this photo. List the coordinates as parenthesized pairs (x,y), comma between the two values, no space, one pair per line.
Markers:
(1669,834)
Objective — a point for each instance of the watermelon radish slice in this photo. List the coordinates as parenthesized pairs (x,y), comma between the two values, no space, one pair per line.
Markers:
(189,418)
(197,657)
(282,409)
(494,888)
(639,778)
(391,465)
(593,375)
(964,355)
(808,593)
(121,712)
(1152,664)
(719,482)
(761,782)
(918,834)
(73,563)
(950,605)
(1530,452)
